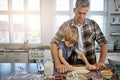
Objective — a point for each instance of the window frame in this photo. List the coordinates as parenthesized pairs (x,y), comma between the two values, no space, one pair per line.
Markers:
(24,12)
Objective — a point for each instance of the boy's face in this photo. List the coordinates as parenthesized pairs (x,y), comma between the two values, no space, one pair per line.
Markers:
(68,44)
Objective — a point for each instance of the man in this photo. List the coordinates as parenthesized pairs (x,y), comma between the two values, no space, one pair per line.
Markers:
(88,32)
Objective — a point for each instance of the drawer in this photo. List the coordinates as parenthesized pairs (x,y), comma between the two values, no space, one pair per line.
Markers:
(17,57)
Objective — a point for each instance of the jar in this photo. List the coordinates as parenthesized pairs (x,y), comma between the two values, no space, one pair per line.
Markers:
(48,68)
(117,69)
(58,77)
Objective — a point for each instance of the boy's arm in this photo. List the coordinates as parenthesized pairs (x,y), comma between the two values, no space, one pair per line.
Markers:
(62,58)
(82,56)
(88,66)
(54,51)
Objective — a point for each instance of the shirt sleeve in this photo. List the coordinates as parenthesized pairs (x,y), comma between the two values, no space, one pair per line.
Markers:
(74,48)
(100,38)
(58,36)
(61,46)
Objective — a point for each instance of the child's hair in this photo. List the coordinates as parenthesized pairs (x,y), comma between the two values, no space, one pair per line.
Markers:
(71,35)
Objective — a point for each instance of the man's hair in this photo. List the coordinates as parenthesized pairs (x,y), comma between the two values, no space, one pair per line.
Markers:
(82,3)
(71,35)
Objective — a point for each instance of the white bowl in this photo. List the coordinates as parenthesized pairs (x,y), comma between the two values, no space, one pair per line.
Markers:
(113,60)
(106,76)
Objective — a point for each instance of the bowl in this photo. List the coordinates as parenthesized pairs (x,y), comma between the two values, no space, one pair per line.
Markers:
(95,76)
(113,60)
(107,74)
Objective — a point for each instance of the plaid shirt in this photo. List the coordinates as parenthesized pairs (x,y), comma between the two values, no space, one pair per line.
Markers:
(91,32)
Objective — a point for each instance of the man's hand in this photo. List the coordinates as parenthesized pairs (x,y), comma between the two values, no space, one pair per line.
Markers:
(100,66)
(61,68)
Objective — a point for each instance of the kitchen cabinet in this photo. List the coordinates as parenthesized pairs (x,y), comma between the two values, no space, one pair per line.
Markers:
(2,57)
(108,54)
(115,21)
(17,57)
(115,16)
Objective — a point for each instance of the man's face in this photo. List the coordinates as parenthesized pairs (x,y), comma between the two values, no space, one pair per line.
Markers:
(80,14)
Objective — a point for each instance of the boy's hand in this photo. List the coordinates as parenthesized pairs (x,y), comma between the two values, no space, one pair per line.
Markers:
(69,67)
(91,67)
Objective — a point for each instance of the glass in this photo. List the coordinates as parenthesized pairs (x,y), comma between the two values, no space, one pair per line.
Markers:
(96,76)
(34,5)
(34,29)
(96,5)
(59,21)
(4,29)
(3,4)
(18,5)
(62,5)
(40,65)
(48,68)
(19,28)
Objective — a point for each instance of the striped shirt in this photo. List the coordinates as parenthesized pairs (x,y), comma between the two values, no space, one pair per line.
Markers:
(90,31)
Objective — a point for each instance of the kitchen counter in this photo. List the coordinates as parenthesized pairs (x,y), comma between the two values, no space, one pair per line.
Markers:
(113,51)
(13,50)
(8,69)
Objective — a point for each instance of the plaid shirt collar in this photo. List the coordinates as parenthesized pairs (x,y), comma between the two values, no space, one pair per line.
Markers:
(85,22)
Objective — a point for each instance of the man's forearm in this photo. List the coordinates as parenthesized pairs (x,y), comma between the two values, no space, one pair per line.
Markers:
(103,53)
(54,52)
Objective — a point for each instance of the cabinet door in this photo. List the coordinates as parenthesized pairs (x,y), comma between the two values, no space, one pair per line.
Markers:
(2,57)
(17,57)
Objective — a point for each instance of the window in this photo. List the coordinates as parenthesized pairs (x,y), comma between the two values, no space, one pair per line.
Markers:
(17,4)
(33,5)
(33,28)
(20,21)
(97,5)
(97,12)
(18,28)
(4,28)
(62,5)
(3,4)
(38,20)
(63,12)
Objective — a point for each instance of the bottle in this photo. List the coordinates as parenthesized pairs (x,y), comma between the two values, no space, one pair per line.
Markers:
(115,45)
(117,69)
(48,68)
(40,64)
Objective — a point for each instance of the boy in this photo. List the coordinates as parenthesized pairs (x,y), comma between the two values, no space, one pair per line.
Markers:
(67,46)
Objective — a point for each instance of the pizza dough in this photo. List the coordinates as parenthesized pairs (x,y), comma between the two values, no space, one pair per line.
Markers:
(77,73)
(80,70)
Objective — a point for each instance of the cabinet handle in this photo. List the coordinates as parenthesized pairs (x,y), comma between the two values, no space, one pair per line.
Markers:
(1,54)
(17,60)
(17,54)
